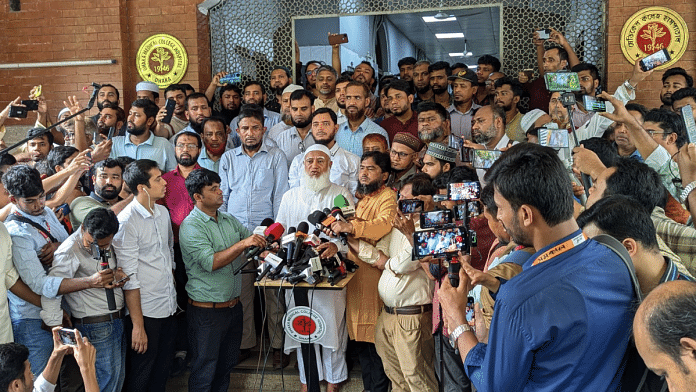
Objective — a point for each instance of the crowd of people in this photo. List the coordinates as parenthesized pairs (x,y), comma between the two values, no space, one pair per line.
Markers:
(128,227)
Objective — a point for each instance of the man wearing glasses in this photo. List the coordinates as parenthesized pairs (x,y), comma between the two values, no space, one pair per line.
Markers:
(403,156)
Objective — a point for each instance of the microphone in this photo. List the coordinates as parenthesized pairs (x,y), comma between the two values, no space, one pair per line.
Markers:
(271,262)
(272,233)
(316,218)
(341,202)
(103,255)
(300,235)
(93,97)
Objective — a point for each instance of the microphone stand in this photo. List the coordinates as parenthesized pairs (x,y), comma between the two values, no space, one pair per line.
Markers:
(568,101)
(90,104)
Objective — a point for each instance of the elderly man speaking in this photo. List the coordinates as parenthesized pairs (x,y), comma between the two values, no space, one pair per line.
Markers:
(316,192)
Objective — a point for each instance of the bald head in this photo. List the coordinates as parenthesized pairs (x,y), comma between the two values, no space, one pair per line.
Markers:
(665,333)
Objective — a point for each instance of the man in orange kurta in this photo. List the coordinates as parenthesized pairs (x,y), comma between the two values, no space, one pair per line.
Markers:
(373,216)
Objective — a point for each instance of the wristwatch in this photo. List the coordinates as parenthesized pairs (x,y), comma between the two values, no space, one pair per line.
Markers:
(687,190)
(454,335)
(628,85)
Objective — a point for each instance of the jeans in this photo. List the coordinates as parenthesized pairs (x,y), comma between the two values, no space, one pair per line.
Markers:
(454,379)
(374,378)
(148,372)
(215,336)
(39,342)
(108,339)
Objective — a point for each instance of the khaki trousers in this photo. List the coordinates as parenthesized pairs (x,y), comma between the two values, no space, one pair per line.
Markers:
(405,344)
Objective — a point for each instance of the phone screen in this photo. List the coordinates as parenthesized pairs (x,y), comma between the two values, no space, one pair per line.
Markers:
(435,218)
(562,81)
(593,104)
(555,138)
(544,34)
(439,242)
(464,190)
(470,311)
(688,116)
(483,159)
(654,60)
(410,206)
(67,336)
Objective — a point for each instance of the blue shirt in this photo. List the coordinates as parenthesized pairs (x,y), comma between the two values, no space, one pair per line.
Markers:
(269,120)
(352,141)
(155,148)
(562,325)
(292,145)
(208,163)
(27,242)
(252,187)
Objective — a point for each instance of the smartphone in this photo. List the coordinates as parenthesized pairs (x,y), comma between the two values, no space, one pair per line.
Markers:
(112,130)
(544,34)
(470,311)
(555,138)
(455,141)
(688,116)
(460,212)
(65,208)
(170,105)
(18,112)
(562,81)
(655,60)
(453,272)
(336,39)
(437,218)
(410,206)
(593,104)
(231,78)
(464,190)
(123,279)
(67,336)
(31,104)
(440,242)
(483,159)
(474,208)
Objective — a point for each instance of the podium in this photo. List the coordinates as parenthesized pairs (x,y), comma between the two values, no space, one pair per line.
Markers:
(300,293)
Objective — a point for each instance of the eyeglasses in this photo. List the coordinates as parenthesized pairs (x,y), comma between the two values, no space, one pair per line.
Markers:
(301,146)
(653,133)
(401,155)
(182,146)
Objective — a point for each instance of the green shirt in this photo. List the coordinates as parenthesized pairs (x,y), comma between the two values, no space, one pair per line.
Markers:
(200,237)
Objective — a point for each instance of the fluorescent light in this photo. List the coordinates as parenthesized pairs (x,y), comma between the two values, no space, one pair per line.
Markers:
(473,66)
(449,35)
(460,54)
(468,54)
(432,19)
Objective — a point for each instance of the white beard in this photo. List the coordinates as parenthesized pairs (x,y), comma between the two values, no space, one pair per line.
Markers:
(315,184)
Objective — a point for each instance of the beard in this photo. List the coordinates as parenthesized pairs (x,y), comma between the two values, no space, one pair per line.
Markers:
(397,112)
(341,105)
(435,134)
(423,89)
(301,124)
(216,152)
(108,192)
(196,126)
(517,235)
(507,108)
(666,99)
(136,131)
(356,115)
(485,136)
(437,90)
(324,142)
(285,117)
(187,162)
(369,188)
(315,184)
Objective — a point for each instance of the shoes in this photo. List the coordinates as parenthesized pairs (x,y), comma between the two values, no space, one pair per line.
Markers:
(179,364)
(280,360)
(244,354)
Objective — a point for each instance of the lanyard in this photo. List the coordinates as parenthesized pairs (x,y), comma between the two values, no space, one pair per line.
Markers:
(560,248)
(48,227)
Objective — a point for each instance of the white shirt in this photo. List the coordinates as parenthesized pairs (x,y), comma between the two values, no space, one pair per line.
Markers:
(277,130)
(9,278)
(344,169)
(403,281)
(41,385)
(296,205)
(145,248)
(72,260)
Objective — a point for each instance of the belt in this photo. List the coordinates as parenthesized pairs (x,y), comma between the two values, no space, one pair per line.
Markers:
(414,309)
(100,319)
(215,305)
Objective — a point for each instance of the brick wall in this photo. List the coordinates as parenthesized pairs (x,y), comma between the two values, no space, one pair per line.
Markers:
(619,69)
(59,30)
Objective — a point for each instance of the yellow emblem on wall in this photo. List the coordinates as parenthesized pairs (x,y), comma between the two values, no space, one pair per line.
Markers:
(162,59)
(653,29)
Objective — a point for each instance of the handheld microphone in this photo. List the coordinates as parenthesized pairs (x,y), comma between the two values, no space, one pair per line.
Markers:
(453,272)
(272,233)
(300,235)
(316,218)
(93,97)
(341,202)
(271,262)
(103,255)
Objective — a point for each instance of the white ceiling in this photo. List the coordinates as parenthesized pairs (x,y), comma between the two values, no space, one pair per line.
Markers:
(481,28)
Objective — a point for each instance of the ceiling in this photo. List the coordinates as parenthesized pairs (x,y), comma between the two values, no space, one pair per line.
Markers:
(481,28)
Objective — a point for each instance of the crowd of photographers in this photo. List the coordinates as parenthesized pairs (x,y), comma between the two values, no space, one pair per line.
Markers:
(488,231)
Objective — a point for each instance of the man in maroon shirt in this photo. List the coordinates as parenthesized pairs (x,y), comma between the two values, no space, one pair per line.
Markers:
(400,94)
(187,148)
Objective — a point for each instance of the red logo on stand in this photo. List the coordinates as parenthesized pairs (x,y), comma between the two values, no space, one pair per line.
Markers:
(304,325)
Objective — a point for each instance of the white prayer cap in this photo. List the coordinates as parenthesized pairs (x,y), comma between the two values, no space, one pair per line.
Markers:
(530,118)
(292,88)
(147,86)
(319,147)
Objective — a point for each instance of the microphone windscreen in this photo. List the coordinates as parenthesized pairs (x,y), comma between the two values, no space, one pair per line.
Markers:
(292,229)
(340,201)
(316,217)
(274,231)
(303,228)
(327,211)
(267,222)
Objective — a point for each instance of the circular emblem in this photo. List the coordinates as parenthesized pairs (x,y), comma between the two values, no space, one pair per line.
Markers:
(304,325)
(653,29)
(162,59)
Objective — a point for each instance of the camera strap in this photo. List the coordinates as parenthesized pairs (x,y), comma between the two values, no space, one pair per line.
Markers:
(45,233)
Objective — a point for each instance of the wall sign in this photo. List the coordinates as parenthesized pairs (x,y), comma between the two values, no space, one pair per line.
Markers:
(652,29)
(162,59)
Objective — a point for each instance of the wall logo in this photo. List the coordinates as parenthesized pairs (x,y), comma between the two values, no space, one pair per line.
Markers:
(304,325)
(162,59)
(653,29)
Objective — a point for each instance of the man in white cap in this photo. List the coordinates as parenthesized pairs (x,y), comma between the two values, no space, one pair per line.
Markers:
(285,119)
(148,90)
(316,192)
